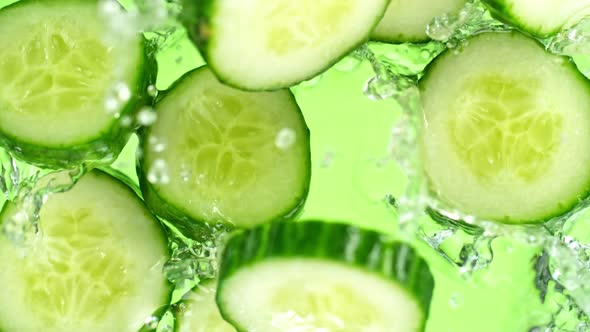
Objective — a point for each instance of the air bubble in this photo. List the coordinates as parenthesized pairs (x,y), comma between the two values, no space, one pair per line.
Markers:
(151,322)
(285,138)
(152,90)
(156,144)
(146,116)
(158,172)
(455,301)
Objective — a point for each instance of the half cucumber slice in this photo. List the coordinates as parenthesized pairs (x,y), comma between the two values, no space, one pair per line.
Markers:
(315,276)
(221,155)
(540,18)
(57,72)
(406,20)
(262,45)
(200,312)
(96,267)
(506,129)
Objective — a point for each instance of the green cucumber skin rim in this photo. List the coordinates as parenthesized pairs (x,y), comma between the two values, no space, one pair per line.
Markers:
(502,11)
(187,224)
(114,138)
(329,241)
(583,198)
(399,39)
(120,179)
(196,19)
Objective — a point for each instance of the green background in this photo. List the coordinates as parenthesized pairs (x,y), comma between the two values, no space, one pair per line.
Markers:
(349,133)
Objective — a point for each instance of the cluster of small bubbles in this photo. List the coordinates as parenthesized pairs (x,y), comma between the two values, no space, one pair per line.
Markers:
(156,144)
(146,116)
(285,138)
(158,172)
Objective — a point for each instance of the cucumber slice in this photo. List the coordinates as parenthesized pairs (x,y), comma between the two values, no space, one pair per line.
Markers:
(225,155)
(97,266)
(315,276)
(262,45)
(506,129)
(199,311)
(56,72)
(540,18)
(405,21)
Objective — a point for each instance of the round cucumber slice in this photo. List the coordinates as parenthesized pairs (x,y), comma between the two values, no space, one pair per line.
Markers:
(540,18)
(261,45)
(315,276)
(57,72)
(96,267)
(506,129)
(199,311)
(221,155)
(406,20)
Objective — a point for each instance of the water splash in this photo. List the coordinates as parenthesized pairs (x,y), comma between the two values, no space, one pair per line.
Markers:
(573,41)
(28,187)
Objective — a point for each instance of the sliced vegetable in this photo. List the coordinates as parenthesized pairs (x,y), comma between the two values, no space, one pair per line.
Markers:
(506,129)
(315,276)
(406,20)
(57,75)
(540,18)
(221,155)
(200,312)
(262,45)
(96,267)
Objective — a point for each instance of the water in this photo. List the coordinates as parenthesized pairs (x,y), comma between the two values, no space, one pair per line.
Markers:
(387,184)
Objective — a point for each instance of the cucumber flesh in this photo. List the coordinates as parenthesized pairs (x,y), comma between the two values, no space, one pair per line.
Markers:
(225,160)
(56,72)
(261,45)
(406,20)
(97,266)
(200,312)
(314,276)
(540,18)
(506,129)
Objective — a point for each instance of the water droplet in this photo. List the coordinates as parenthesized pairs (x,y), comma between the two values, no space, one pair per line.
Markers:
(147,116)
(285,138)
(455,300)
(126,121)
(158,172)
(123,92)
(152,91)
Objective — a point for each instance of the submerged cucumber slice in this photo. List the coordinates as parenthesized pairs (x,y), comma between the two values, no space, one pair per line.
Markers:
(540,18)
(56,71)
(262,45)
(315,276)
(406,20)
(200,312)
(97,266)
(218,154)
(506,129)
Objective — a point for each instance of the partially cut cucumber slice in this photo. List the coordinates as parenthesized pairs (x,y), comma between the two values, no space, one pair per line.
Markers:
(199,311)
(406,20)
(221,155)
(506,129)
(96,267)
(56,73)
(540,18)
(314,276)
(262,45)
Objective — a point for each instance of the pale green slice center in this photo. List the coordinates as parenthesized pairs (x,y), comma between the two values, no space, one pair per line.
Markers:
(303,24)
(56,69)
(321,307)
(225,140)
(501,127)
(79,273)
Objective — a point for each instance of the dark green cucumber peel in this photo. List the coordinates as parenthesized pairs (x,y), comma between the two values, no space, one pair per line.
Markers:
(502,12)
(343,243)
(582,200)
(190,226)
(196,17)
(103,148)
